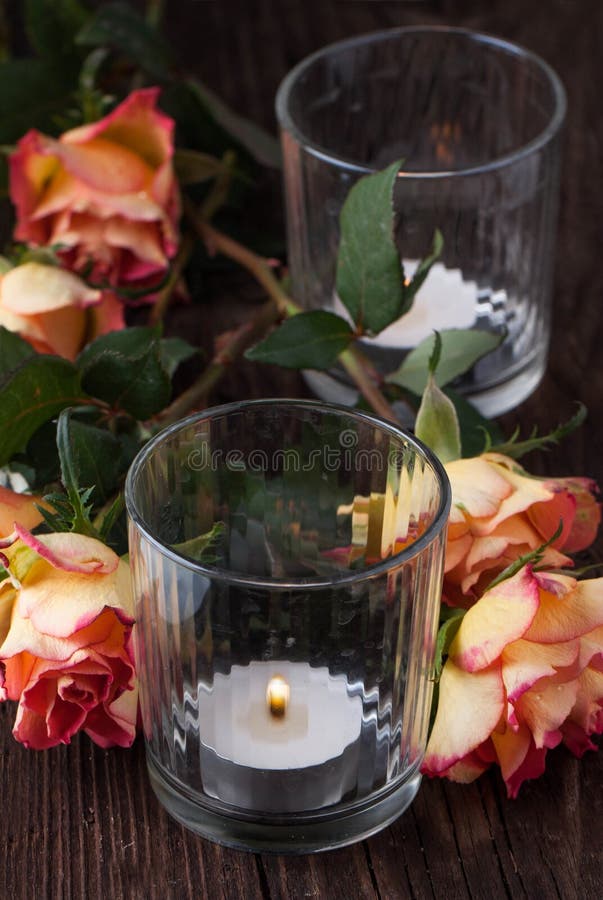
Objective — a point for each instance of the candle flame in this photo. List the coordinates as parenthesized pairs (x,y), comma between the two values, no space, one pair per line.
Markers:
(277,696)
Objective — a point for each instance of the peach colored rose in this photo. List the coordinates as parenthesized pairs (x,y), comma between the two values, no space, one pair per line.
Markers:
(105,193)
(54,310)
(65,631)
(524,674)
(19,508)
(499,512)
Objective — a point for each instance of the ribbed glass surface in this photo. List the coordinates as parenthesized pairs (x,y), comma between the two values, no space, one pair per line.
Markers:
(295,540)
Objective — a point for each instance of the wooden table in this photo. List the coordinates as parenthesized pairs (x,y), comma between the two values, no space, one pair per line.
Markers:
(80,822)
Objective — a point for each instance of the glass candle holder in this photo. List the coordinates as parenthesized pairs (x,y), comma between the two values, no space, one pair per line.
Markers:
(287,567)
(477,122)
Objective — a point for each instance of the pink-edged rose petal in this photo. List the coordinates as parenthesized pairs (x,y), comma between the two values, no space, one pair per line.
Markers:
(502,615)
(469,709)
(71,552)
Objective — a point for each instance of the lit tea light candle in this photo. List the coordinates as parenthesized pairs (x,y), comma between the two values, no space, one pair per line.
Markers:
(280,734)
(277,696)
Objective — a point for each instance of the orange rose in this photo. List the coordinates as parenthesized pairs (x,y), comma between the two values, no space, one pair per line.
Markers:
(524,673)
(19,508)
(54,310)
(105,193)
(499,513)
(65,640)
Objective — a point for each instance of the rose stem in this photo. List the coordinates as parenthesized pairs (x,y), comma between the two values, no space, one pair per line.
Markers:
(353,361)
(164,296)
(243,337)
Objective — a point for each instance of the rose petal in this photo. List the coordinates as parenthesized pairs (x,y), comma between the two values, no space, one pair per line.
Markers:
(501,616)
(469,708)
(71,552)
(33,288)
(573,610)
(544,708)
(18,508)
(524,663)
(518,758)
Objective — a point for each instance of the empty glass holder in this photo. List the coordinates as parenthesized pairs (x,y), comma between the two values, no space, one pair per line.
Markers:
(476,122)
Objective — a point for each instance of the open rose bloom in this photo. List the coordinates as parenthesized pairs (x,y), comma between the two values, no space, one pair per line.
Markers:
(499,513)
(524,674)
(65,640)
(105,193)
(54,310)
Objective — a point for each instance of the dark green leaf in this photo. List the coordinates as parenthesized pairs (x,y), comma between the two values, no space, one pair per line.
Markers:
(13,350)
(35,392)
(125,368)
(446,635)
(121,27)
(310,340)
(175,351)
(51,27)
(460,351)
(93,456)
(42,454)
(369,275)
(192,166)
(262,146)
(130,342)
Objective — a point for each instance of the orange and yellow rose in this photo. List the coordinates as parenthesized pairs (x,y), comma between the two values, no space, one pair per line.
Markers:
(54,310)
(499,512)
(105,193)
(524,674)
(65,640)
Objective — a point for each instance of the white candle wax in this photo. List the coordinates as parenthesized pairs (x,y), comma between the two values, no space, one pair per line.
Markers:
(320,720)
(443,301)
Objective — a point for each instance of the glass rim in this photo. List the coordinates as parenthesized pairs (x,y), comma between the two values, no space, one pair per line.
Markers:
(307,583)
(554,125)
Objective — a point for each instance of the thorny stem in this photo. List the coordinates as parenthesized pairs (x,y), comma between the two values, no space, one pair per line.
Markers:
(243,337)
(165,294)
(352,359)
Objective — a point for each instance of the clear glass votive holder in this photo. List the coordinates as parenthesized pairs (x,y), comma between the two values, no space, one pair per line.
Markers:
(287,561)
(477,122)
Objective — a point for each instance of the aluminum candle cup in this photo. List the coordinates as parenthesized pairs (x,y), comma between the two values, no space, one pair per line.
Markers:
(287,568)
(477,123)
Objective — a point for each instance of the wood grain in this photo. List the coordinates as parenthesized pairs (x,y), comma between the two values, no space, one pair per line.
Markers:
(80,822)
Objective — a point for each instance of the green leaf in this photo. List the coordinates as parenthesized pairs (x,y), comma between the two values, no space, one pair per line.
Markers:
(476,431)
(93,456)
(35,392)
(310,340)
(460,351)
(13,350)
(437,424)
(259,143)
(51,27)
(369,274)
(446,635)
(533,557)
(192,166)
(121,27)
(125,368)
(174,351)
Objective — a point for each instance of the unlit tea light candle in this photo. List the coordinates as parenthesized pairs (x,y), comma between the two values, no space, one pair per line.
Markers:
(266,724)
(444,301)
